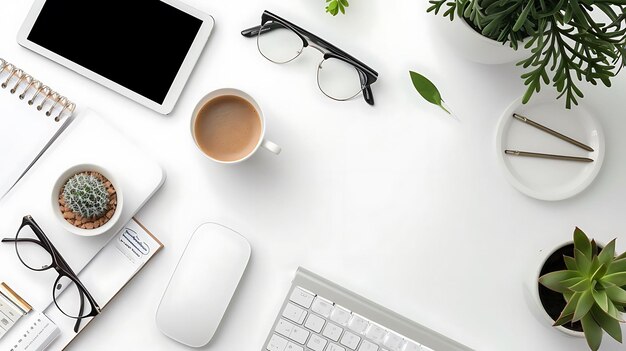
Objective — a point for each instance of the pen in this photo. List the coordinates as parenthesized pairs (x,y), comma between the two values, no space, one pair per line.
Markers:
(552,132)
(548,156)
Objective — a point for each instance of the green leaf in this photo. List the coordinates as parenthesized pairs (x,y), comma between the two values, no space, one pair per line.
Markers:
(600,272)
(617,266)
(610,325)
(335,6)
(568,312)
(583,262)
(570,263)
(618,279)
(608,253)
(601,299)
(522,17)
(614,312)
(581,286)
(582,242)
(554,280)
(573,282)
(593,332)
(427,89)
(616,294)
(584,305)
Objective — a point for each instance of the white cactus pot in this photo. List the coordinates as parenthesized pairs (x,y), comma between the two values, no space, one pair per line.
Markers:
(56,190)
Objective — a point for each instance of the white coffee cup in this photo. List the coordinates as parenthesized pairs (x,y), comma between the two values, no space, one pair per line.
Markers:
(262,142)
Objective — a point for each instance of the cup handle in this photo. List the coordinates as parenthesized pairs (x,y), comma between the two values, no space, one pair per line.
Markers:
(271,146)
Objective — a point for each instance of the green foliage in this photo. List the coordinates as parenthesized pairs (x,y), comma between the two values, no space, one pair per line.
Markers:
(594,287)
(567,44)
(427,89)
(335,6)
(86,195)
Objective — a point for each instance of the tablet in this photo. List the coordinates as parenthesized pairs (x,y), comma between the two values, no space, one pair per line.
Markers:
(142,49)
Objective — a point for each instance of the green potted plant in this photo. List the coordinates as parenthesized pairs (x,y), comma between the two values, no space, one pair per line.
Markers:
(558,42)
(582,288)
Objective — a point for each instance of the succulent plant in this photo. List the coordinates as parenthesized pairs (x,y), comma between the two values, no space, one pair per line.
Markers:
(86,195)
(594,287)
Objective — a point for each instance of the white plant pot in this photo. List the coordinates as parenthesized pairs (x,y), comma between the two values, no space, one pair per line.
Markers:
(60,182)
(533,292)
(464,40)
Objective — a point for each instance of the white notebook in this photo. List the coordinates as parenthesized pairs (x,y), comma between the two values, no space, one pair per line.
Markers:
(31,117)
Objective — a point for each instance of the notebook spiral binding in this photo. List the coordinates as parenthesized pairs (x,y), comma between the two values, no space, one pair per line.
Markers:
(37,92)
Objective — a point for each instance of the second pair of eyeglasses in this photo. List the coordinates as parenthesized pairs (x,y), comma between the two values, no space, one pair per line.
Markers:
(340,76)
(35,250)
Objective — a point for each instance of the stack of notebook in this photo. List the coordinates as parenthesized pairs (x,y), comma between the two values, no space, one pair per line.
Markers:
(46,135)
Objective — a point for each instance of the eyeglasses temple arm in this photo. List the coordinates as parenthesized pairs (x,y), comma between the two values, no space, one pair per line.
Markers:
(254,31)
(80,312)
(368,96)
(28,240)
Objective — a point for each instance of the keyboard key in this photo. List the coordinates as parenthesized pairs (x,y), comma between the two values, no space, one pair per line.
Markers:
(335,347)
(316,343)
(350,340)
(368,346)
(393,341)
(292,331)
(375,333)
(301,297)
(340,315)
(332,332)
(315,323)
(276,343)
(322,307)
(293,347)
(299,335)
(284,328)
(411,346)
(357,324)
(294,313)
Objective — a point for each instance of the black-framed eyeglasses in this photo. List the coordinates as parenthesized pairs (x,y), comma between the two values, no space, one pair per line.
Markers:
(37,253)
(340,76)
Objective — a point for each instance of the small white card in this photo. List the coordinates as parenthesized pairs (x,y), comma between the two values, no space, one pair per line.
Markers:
(36,333)
(134,242)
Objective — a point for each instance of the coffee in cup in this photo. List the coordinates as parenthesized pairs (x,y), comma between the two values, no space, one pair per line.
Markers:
(228,126)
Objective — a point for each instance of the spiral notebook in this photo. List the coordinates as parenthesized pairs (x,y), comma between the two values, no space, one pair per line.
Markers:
(32,115)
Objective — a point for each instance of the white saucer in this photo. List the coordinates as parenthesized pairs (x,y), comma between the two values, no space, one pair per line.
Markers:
(546,179)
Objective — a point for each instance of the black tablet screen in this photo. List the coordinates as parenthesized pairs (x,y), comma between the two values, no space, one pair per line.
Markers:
(139,44)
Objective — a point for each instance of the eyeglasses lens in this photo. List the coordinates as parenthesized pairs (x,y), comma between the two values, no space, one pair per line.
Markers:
(280,44)
(338,79)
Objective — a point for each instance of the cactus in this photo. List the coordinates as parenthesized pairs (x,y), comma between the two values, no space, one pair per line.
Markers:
(86,195)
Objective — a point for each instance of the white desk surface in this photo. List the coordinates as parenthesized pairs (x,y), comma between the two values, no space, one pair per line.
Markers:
(398,202)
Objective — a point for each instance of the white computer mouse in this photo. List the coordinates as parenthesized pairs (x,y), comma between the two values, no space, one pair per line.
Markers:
(202,285)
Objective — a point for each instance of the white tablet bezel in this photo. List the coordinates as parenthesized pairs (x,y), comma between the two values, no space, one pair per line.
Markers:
(181,77)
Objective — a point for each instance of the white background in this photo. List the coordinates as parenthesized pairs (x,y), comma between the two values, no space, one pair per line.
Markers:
(399,202)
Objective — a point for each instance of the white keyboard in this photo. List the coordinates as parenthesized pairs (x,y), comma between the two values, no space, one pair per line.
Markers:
(313,321)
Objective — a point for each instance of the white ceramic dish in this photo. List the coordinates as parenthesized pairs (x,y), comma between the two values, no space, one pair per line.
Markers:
(56,189)
(544,179)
